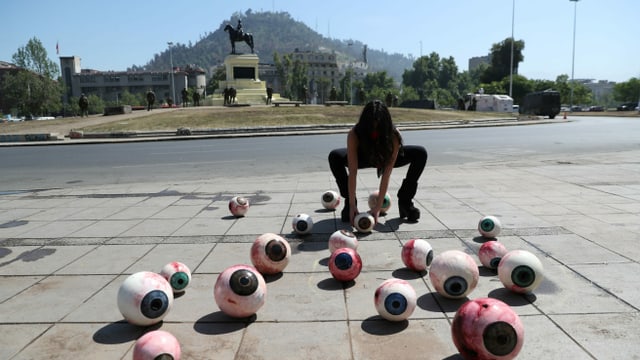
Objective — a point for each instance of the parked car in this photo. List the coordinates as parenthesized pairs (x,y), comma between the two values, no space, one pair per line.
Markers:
(596,108)
(627,106)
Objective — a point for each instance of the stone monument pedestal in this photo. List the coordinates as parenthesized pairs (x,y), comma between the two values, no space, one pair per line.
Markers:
(242,74)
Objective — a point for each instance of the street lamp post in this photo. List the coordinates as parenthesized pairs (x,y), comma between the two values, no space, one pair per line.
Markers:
(173,85)
(513,15)
(573,56)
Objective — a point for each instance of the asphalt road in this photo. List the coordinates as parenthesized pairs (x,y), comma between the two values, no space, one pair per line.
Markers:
(44,167)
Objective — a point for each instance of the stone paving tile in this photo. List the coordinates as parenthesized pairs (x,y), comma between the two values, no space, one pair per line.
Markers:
(105,228)
(57,229)
(307,340)
(32,260)
(69,341)
(12,285)
(412,339)
(604,336)
(557,246)
(34,304)
(135,212)
(189,254)
(17,336)
(101,306)
(616,278)
(106,259)
(155,227)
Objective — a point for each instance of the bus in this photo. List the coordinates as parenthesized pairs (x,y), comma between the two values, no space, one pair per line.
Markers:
(543,103)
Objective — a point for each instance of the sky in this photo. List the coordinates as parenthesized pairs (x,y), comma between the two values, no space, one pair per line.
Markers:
(116,34)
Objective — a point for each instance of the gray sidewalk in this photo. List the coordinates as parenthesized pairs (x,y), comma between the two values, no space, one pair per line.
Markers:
(65,252)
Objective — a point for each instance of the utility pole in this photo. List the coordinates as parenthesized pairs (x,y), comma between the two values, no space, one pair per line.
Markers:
(173,85)
(573,56)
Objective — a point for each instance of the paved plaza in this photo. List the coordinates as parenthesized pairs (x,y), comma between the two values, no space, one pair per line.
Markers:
(65,252)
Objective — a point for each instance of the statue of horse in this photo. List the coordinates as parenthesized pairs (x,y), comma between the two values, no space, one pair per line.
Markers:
(235,36)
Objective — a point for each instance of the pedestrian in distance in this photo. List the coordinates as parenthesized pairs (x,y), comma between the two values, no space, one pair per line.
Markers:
(83,102)
(269,94)
(185,97)
(374,142)
(151,99)
(196,98)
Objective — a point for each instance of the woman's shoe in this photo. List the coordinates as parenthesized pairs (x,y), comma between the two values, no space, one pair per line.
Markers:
(407,210)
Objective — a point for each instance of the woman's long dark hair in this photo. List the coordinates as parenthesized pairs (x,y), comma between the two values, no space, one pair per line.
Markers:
(375,133)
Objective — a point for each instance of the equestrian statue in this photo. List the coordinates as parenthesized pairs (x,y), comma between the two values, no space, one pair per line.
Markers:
(238,34)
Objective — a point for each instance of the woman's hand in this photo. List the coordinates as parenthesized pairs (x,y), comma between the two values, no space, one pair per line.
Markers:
(354,212)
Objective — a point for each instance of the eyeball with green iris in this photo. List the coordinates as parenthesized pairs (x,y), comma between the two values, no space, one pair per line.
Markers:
(489,226)
(178,275)
(520,271)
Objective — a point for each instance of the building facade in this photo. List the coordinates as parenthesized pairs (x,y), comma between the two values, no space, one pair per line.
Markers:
(109,85)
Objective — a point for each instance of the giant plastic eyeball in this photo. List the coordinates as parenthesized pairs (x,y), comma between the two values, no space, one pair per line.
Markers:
(373,200)
(238,206)
(145,298)
(489,226)
(302,224)
(330,200)
(342,239)
(417,254)
(454,274)
(487,328)
(520,271)
(178,275)
(490,254)
(395,299)
(157,345)
(270,253)
(345,264)
(240,291)
(364,222)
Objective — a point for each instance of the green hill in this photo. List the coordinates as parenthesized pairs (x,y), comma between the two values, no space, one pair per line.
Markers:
(273,32)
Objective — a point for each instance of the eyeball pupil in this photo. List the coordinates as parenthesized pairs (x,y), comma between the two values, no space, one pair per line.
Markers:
(395,304)
(275,250)
(243,282)
(343,261)
(301,225)
(364,223)
(487,224)
(455,286)
(327,197)
(163,357)
(154,304)
(523,276)
(429,257)
(500,338)
(495,262)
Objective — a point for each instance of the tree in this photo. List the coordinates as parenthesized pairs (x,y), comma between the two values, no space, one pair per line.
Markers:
(219,74)
(501,60)
(377,85)
(628,91)
(435,78)
(33,90)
